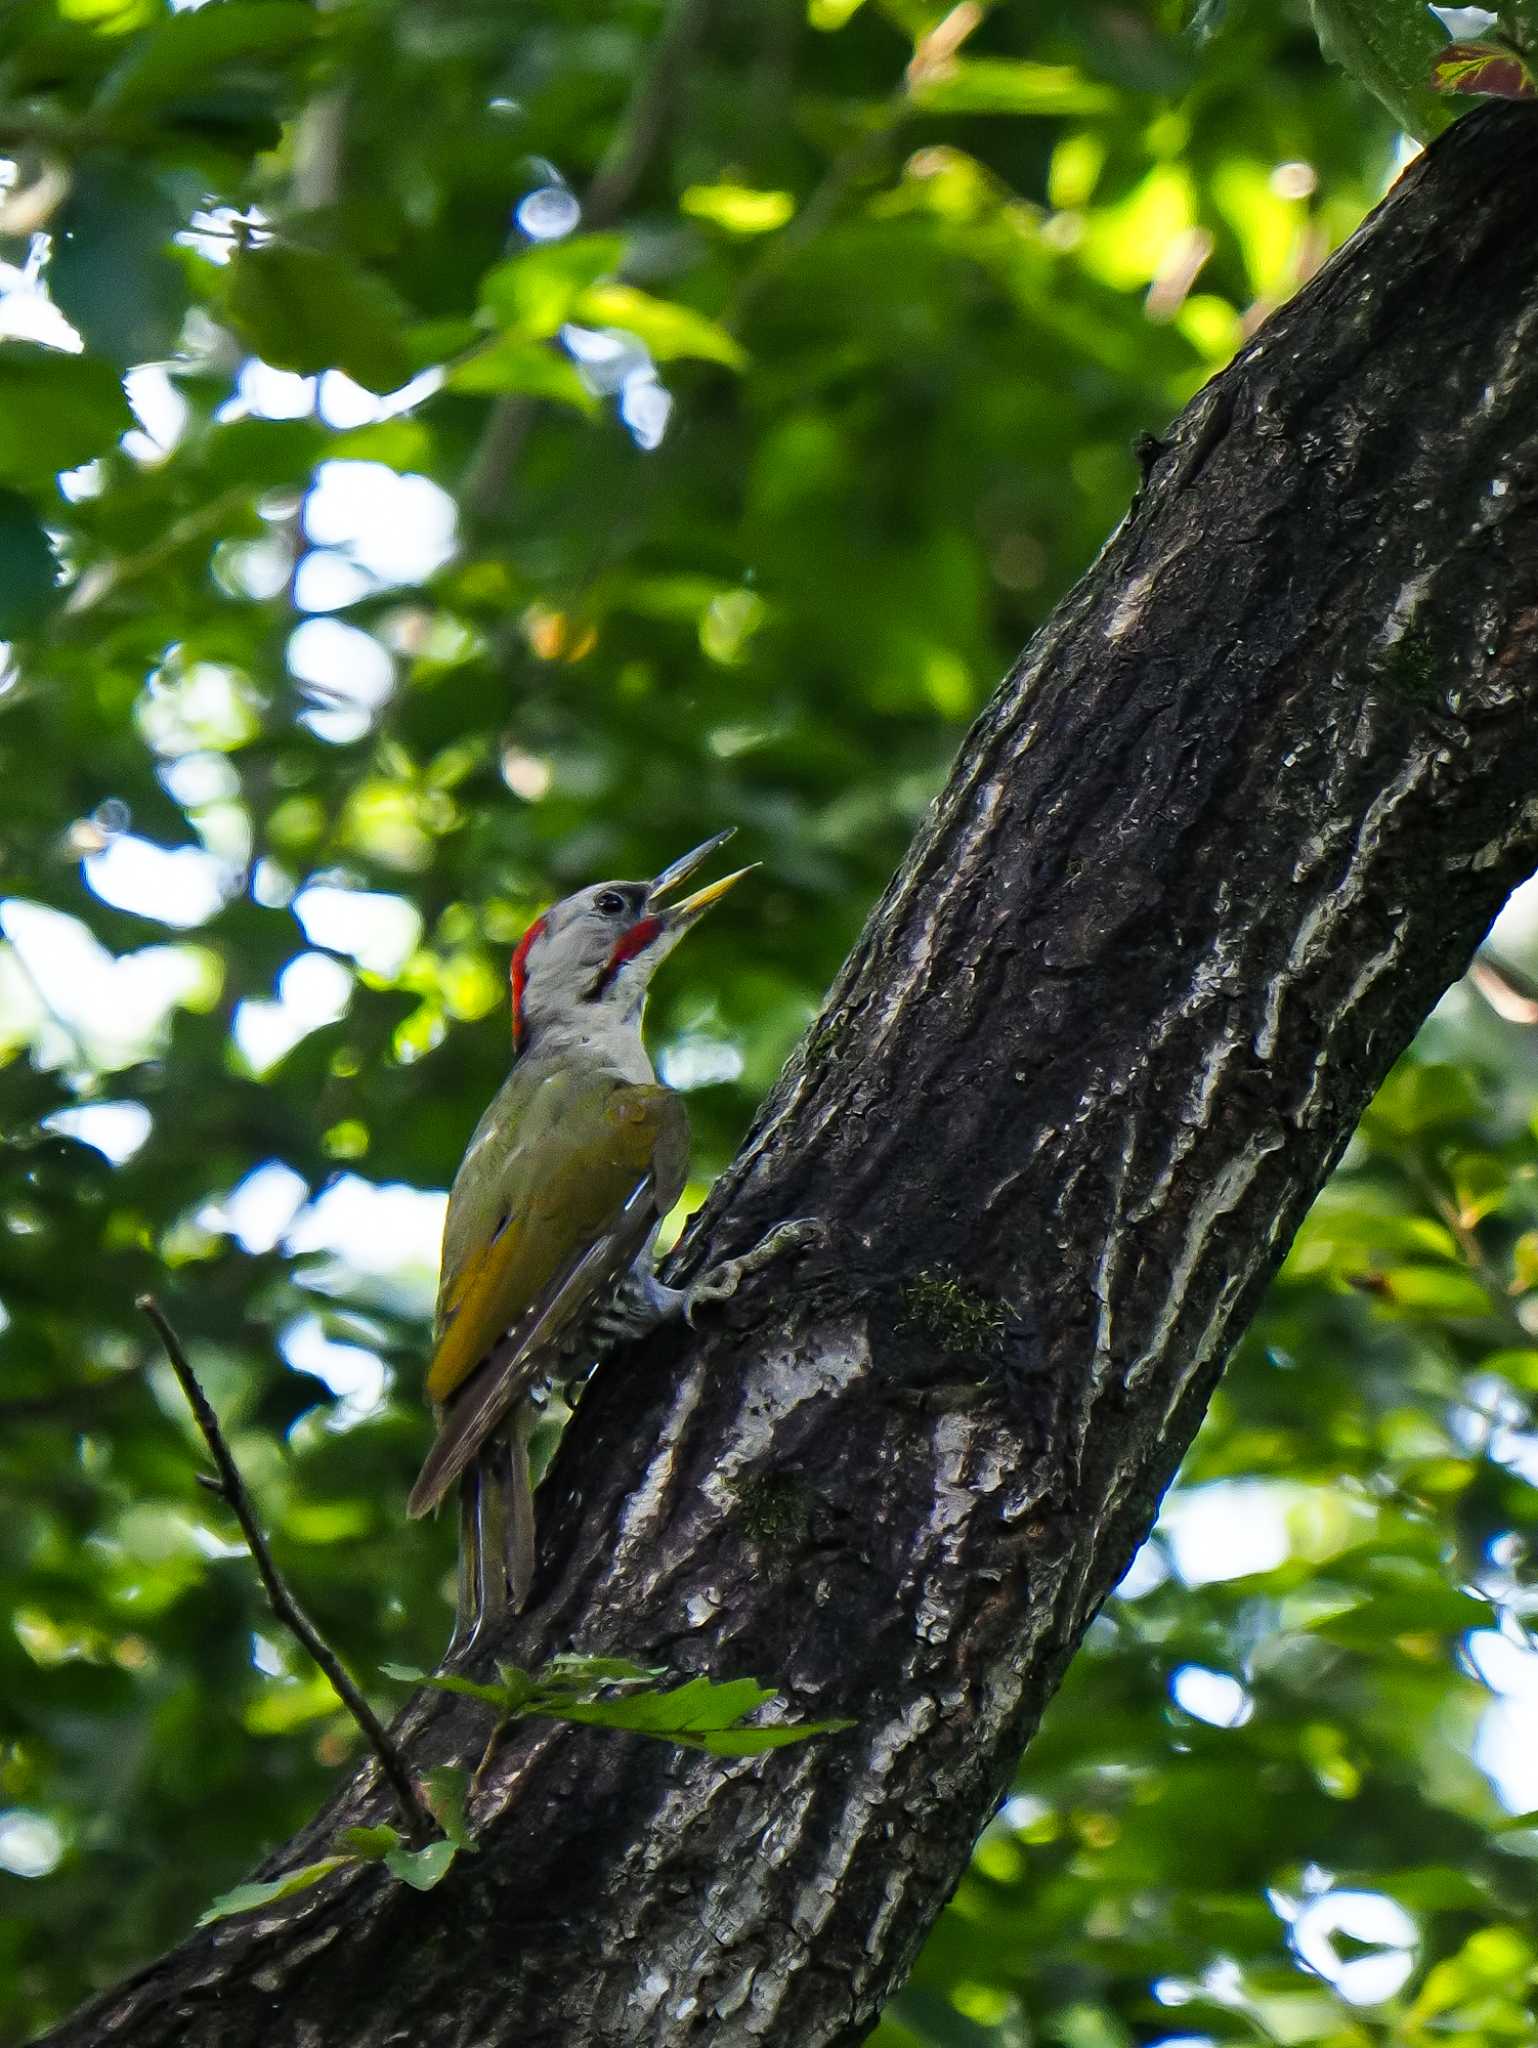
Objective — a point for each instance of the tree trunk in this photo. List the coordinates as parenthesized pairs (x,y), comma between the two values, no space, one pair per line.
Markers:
(1241,813)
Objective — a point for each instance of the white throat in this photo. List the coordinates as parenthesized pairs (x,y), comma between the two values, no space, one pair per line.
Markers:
(605,1036)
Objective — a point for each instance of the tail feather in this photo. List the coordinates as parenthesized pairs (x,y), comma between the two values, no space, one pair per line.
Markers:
(526,1352)
(472,1573)
(464,1429)
(518,1549)
(496,1535)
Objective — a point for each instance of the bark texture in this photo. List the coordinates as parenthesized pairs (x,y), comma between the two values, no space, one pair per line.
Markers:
(1241,813)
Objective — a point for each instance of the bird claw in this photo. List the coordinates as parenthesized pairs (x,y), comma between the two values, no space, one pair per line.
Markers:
(722,1281)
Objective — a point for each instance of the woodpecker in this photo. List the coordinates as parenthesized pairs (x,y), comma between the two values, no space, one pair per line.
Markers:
(548,1241)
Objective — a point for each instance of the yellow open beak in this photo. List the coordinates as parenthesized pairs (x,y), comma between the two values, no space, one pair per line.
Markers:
(695,905)
(684,866)
(677,915)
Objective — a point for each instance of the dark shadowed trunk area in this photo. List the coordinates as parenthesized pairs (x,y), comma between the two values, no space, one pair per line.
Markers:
(1241,813)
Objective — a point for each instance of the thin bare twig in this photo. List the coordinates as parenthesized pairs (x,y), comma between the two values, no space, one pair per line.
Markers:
(232,1489)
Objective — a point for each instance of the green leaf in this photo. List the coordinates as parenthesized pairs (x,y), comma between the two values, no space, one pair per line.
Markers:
(518,1686)
(56,411)
(1428,1610)
(29,575)
(448,1787)
(280,1709)
(492,1695)
(301,309)
(534,293)
(754,1741)
(186,52)
(1493,1958)
(373,1844)
(509,362)
(438,341)
(1008,85)
(399,443)
(1520,1366)
(110,273)
(663,1713)
(1481,1182)
(668,330)
(1424,1095)
(718,1706)
(1347,1222)
(263,454)
(1491,70)
(1389,48)
(740,209)
(246,1897)
(1524,1263)
(699,1714)
(570,1668)
(422,1868)
(1435,1290)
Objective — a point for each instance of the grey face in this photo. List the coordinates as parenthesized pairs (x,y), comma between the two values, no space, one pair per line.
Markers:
(596,949)
(584,932)
(590,957)
(595,917)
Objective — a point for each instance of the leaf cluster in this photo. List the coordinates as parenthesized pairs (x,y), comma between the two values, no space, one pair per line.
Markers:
(612,1692)
(585,1692)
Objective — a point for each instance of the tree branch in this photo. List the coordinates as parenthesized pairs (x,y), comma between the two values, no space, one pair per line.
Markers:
(231,1489)
(613,185)
(1243,810)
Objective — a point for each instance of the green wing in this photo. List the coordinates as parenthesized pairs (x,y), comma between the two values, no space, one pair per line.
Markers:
(543,1222)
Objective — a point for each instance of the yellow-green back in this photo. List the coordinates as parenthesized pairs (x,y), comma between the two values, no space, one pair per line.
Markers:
(551,1167)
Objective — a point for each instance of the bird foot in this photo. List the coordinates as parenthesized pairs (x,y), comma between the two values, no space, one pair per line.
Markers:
(722,1282)
(639,1304)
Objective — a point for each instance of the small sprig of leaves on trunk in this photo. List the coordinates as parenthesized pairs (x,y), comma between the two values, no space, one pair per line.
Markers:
(611,1692)
(589,1692)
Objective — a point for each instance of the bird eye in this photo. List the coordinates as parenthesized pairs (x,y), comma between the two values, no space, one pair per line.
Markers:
(611,903)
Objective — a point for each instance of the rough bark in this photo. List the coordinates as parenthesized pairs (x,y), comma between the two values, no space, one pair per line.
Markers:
(1241,813)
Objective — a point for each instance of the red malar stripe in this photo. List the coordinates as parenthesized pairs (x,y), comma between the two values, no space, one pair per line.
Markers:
(518,975)
(636,940)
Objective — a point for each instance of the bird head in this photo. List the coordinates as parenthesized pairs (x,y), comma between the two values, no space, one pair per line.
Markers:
(592,955)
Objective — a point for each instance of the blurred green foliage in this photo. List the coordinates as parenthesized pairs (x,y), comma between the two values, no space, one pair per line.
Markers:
(755,377)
